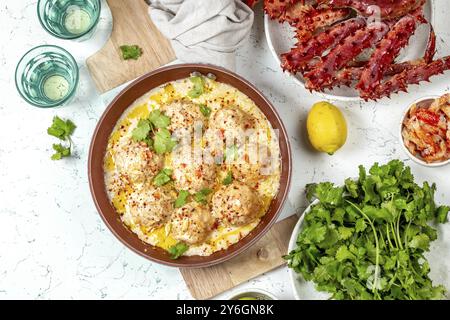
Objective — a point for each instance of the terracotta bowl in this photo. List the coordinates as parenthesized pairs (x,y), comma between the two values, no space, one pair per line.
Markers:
(98,148)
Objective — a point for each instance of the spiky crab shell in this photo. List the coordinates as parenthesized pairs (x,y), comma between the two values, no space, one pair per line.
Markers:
(386,52)
(347,50)
(298,57)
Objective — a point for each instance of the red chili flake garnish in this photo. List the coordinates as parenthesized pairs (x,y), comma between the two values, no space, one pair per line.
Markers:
(428,117)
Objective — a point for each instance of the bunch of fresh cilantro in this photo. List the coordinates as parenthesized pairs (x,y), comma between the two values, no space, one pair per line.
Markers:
(367,239)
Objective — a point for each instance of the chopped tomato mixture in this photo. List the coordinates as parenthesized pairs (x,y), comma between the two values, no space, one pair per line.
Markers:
(426,130)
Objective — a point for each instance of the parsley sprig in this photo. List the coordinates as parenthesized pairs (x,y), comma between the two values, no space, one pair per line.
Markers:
(63,130)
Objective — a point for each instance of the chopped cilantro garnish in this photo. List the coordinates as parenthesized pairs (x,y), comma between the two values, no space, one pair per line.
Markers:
(205,110)
(198,87)
(181,199)
(158,119)
(228,179)
(163,141)
(163,177)
(201,196)
(142,131)
(178,250)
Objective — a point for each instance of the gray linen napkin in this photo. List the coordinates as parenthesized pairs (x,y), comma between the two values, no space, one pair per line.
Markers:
(203,31)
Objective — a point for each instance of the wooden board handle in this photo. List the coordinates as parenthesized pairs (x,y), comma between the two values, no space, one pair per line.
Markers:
(264,256)
(131,26)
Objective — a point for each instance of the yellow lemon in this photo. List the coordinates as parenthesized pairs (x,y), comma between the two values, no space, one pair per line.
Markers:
(327,128)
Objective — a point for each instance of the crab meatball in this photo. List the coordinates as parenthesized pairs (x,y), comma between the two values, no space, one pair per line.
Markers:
(183,115)
(150,207)
(230,121)
(137,161)
(251,167)
(235,204)
(193,177)
(192,223)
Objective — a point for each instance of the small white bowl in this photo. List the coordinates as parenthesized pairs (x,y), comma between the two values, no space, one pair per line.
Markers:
(412,156)
(254,293)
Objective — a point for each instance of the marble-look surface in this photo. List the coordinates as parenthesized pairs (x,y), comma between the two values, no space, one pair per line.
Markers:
(53,243)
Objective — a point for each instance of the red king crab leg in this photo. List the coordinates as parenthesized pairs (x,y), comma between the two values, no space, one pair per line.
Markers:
(322,75)
(298,57)
(388,8)
(414,75)
(385,53)
(349,74)
(313,19)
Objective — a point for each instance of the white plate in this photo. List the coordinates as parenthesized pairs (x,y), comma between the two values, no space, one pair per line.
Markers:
(438,257)
(280,38)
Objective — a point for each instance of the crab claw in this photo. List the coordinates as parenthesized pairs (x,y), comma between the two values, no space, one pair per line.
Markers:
(414,75)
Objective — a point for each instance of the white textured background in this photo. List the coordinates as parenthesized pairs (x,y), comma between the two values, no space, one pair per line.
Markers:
(52,241)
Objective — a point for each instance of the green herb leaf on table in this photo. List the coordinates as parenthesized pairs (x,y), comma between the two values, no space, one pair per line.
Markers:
(228,179)
(163,177)
(181,199)
(61,129)
(198,87)
(205,110)
(202,196)
(178,250)
(60,152)
(131,52)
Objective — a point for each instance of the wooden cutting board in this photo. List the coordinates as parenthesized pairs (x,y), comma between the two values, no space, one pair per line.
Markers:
(131,26)
(264,256)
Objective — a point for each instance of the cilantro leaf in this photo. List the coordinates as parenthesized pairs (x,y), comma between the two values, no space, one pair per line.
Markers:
(61,129)
(442,214)
(178,250)
(205,110)
(130,52)
(60,152)
(158,119)
(142,130)
(421,241)
(201,196)
(163,141)
(198,87)
(228,179)
(163,177)
(181,199)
